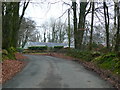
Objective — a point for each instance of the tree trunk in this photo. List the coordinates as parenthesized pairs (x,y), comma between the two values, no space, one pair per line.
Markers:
(75,24)
(69,36)
(26,38)
(115,25)
(81,24)
(45,36)
(53,33)
(115,15)
(117,43)
(106,15)
(11,23)
(91,33)
(7,26)
(15,24)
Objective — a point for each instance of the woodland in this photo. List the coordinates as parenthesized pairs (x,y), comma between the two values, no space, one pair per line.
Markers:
(91,30)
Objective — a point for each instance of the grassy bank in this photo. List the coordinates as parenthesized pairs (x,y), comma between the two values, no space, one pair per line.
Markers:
(108,61)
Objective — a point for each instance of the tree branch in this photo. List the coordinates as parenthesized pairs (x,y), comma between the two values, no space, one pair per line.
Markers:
(23,11)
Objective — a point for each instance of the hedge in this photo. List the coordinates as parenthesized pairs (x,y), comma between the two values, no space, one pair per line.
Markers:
(58,47)
(38,48)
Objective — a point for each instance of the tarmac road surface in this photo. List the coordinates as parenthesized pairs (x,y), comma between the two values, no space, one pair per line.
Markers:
(52,72)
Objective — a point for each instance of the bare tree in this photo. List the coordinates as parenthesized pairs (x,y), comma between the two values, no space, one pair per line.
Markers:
(81,24)
(91,33)
(27,32)
(117,41)
(75,23)
(69,32)
(106,15)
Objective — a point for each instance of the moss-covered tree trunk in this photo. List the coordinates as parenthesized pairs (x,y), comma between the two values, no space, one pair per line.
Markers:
(15,24)
(7,25)
(81,24)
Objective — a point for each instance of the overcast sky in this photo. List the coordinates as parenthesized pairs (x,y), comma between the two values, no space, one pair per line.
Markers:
(42,12)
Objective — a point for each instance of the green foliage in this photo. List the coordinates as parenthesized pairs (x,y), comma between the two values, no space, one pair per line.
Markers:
(11,56)
(85,55)
(8,54)
(108,61)
(4,57)
(98,60)
(95,54)
(4,52)
(20,49)
(50,49)
(26,51)
(105,58)
(94,45)
(58,47)
(12,50)
(38,48)
(104,50)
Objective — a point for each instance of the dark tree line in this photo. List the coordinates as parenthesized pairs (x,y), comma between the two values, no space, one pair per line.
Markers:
(11,21)
(80,28)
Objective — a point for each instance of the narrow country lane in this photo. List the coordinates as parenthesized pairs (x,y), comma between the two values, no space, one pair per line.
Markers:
(52,72)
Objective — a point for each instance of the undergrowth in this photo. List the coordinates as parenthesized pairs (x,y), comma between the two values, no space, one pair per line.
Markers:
(9,54)
(85,55)
(109,61)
